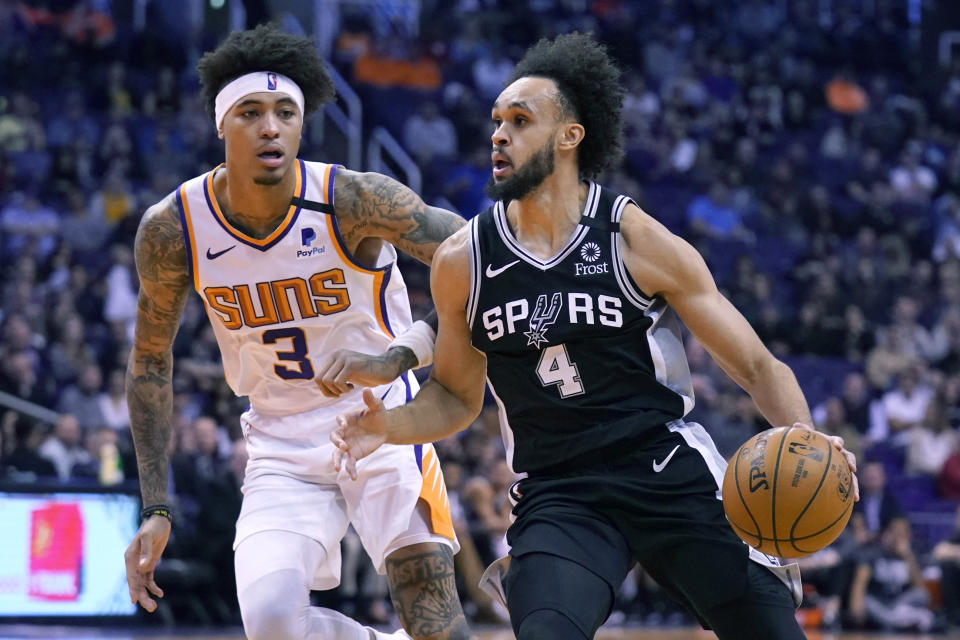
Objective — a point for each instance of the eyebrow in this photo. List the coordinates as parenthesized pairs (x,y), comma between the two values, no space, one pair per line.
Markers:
(516,104)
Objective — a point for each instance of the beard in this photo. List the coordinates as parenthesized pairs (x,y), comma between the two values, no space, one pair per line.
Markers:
(268,180)
(527,178)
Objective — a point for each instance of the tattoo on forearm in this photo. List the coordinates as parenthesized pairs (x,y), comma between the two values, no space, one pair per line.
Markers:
(164,285)
(375,205)
(150,401)
(424,594)
(403,358)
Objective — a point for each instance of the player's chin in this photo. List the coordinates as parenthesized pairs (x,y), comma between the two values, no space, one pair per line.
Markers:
(269,177)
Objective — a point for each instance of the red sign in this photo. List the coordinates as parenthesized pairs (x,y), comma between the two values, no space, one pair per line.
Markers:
(56,552)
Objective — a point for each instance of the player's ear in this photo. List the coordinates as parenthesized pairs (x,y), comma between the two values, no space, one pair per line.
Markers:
(571,135)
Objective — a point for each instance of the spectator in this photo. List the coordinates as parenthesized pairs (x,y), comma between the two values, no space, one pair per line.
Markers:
(831,418)
(113,403)
(120,304)
(911,181)
(104,465)
(26,221)
(19,377)
(63,447)
(491,72)
(888,590)
(931,442)
(71,351)
(946,245)
(713,214)
(878,507)
(114,200)
(948,482)
(430,135)
(25,457)
(81,398)
(906,404)
(844,95)
(947,555)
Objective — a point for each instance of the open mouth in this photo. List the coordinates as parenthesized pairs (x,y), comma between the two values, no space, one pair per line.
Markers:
(501,167)
(271,158)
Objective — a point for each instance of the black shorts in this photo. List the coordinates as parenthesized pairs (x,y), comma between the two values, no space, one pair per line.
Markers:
(669,520)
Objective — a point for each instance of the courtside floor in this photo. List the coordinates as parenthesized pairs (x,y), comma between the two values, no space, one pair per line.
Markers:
(90,633)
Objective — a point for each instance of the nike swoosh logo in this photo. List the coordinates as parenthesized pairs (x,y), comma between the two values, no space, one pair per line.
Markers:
(214,256)
(658,466)
(493,273)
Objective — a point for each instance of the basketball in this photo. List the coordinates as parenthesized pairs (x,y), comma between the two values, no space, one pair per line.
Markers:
(787,492)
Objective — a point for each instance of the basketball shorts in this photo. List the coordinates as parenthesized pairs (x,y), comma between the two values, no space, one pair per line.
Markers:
(659,506)
(290,485)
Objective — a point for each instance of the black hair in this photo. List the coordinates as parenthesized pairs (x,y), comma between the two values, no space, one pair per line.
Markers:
(266,49)
(588,81)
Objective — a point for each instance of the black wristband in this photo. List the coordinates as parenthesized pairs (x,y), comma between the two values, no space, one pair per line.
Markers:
(161,510)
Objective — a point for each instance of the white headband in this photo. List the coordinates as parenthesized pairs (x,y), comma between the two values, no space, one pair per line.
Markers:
(255,82)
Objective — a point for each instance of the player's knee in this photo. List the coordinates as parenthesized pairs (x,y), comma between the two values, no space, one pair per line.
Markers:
(272,614)
(548,624)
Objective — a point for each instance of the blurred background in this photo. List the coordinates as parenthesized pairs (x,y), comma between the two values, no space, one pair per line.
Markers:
(808,148)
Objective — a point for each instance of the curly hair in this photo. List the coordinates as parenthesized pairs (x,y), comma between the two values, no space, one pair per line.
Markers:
(589,93)
(266,49)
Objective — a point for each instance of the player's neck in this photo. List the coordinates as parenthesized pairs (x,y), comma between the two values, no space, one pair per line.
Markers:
(543,221)
(255,209)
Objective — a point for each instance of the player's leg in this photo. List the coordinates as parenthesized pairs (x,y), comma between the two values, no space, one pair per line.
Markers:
(552,597)
(399,507)
(423,589)
(766,604)
(274,573)
(724,588)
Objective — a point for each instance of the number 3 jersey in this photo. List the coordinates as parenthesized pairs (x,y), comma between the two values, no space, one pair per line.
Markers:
(582,363)
(278,304)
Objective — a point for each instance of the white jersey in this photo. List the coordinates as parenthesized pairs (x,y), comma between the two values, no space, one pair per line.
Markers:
(277,304)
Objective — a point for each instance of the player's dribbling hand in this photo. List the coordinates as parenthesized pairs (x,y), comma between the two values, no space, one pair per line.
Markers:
(358,434)
(141,558)
(343,370)
(851,459)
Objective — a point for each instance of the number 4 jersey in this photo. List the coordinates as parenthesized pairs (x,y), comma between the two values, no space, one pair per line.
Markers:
(582,363)
(279,303)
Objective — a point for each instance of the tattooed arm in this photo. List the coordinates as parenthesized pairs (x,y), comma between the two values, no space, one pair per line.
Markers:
(372,208)
(372,205)
(164,285)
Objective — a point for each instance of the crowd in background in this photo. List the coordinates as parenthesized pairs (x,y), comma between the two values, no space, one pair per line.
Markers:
(815,166)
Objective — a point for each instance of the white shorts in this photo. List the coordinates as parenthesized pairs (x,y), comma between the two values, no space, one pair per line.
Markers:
(290,485)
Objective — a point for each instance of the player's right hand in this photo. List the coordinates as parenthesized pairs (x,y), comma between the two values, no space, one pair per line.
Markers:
(141,558)
(342,370)
(359,433)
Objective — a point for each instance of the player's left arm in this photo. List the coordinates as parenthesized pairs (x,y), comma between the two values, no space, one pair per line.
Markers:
(664,264)
(375,205)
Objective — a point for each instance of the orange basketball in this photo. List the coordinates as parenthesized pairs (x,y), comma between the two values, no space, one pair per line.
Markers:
(787,492)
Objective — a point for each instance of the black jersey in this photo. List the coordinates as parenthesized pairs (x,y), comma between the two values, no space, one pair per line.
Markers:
(582,363)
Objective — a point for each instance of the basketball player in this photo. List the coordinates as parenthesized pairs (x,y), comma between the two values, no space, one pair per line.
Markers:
(291,259)
(566,297)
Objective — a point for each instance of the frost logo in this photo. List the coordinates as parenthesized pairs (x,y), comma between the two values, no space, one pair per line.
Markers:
(307,236)
(542,318)
(271,81)
(590,252)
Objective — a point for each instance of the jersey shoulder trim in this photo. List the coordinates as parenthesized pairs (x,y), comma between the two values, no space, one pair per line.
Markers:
(476,277)
(629,288)
(186,225)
